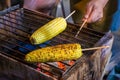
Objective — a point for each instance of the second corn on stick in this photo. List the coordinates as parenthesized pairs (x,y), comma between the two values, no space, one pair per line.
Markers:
(55,53)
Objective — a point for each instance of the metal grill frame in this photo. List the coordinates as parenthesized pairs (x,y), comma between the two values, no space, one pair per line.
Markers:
(97,39)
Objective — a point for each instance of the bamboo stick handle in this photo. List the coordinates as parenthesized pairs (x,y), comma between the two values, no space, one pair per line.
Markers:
(80,28)
(87,49)
(70,15)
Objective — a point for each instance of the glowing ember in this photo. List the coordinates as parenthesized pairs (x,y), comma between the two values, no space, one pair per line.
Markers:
(61,65)
(71,63)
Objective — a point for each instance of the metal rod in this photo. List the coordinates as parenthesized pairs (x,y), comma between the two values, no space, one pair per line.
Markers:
(13,43)
(80,39)
(88,49)
(26,42)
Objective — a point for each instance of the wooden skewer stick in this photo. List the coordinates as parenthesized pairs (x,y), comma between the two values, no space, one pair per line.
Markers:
(70,15)
(80,28)
(87,49)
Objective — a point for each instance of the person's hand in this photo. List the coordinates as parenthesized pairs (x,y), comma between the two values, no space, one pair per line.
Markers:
(94,10)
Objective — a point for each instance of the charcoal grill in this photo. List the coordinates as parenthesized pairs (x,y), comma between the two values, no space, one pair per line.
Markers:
(16,26)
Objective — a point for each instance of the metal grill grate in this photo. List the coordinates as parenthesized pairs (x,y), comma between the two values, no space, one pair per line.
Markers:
(17,25)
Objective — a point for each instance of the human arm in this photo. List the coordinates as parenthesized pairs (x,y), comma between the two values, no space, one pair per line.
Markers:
(40,5)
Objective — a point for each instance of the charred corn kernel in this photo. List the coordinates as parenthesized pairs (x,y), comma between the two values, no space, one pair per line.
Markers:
(48,31)
(55,53)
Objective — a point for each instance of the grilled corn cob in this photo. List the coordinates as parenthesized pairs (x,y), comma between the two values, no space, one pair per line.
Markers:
(48,31)
(55,53)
